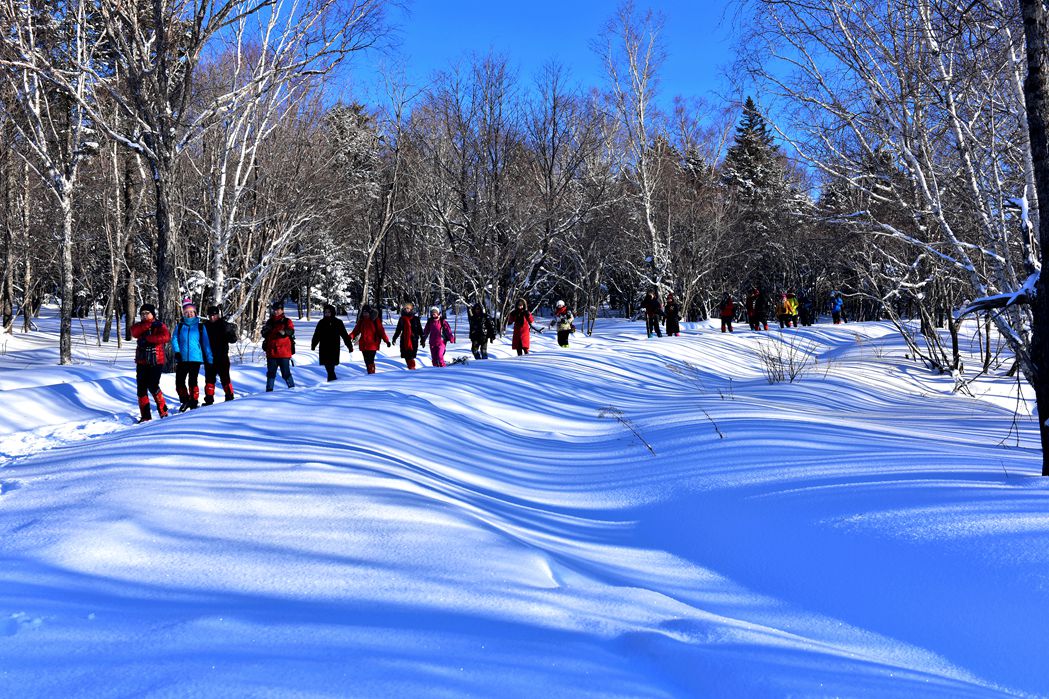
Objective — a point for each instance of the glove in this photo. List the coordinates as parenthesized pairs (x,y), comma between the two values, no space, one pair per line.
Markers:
(178,356)
(388,344)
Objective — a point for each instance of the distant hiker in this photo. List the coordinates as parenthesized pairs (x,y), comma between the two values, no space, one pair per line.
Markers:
(837,308)
(523,323)
(221,334)
(784,311)
(653,314)
(438,333)
(152,335)
(726,311)
(565,323)
(757,309)
(192,348)
(278,341)
(410,330)
(482,331)
(330,334)
(672,313)
(806,310)
(371,333)
(792,302)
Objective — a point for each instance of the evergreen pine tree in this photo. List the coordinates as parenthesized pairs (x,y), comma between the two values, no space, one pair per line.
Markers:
(765,201)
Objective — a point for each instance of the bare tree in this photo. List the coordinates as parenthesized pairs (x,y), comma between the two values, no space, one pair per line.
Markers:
(158,48)
(633,54)
(42,53)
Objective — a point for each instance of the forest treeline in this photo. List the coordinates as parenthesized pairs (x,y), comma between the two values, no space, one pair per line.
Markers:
(160,150)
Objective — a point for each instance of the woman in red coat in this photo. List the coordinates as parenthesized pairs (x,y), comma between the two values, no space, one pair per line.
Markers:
(152,335)
(371,333)
(522,321)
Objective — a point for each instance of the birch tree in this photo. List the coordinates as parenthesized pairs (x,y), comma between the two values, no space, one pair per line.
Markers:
(158,48)
(43,54)
(632,54)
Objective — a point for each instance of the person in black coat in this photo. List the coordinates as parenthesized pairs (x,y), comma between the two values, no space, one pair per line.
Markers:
(653,314)
(329,333)
(410,332)
(221,334)
(672,315)
(482,330)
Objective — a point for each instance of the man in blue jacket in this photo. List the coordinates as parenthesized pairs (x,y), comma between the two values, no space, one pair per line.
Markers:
(190,344)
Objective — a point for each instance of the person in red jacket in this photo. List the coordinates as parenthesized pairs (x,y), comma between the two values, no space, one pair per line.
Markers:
(410,330)
(152,335)
(371,333)
(727,311)
(278,341)
(523,322)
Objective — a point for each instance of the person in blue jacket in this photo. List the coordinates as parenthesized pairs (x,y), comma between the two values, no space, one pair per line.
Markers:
(190,344)
(837,307)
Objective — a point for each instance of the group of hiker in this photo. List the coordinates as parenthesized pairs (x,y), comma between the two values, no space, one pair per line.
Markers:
(198,343)
(789,309)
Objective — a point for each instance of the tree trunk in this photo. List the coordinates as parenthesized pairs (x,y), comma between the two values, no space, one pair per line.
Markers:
(65,337)
(1036,97)
(27,267)
(9,252)
(167,280)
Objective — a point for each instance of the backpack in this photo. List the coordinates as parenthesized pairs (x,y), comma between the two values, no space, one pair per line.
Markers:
(446,332)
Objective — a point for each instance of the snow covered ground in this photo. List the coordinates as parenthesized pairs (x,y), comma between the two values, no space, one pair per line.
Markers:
(626,518)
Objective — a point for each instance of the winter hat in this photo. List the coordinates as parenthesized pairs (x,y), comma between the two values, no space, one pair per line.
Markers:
(560,304)
(213,311)
(329,307)
(147,308)
(435,309)
(277,305)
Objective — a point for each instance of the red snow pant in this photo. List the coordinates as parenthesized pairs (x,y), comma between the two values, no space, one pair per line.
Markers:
(219,370)
(147,380)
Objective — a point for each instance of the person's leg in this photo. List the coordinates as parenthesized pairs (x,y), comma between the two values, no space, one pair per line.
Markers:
(484,348)
(475,348)
(193,374)
(271,373)
(154,388)
(227,383)
(410,361)
(285,372)
(728,322)
(331,371)
(369,360)
(142,389)
(210,372)
(180,386)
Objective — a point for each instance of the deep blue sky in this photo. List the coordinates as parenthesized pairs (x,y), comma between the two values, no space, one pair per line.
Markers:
(432,34)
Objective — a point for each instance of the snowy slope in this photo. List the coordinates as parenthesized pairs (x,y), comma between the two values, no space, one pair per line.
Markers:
(629,517)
